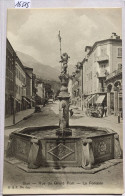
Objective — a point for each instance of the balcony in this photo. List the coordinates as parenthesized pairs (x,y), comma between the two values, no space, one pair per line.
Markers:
(102,74)
(102,58)
(102,89)
(114,74)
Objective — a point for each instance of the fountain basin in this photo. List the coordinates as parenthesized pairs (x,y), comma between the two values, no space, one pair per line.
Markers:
(41,147)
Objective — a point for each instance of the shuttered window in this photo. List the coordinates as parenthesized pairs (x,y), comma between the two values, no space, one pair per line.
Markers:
(119,52)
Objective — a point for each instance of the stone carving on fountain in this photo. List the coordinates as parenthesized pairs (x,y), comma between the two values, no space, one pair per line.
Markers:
(64,97)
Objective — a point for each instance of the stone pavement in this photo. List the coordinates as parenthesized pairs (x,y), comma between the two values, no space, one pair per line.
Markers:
(19,116)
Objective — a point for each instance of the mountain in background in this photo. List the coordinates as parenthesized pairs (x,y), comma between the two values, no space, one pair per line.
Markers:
(46,72)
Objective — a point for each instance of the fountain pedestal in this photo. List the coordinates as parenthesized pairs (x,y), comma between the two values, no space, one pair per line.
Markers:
(64,97)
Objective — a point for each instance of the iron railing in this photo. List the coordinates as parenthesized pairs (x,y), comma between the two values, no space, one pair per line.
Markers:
(114,73)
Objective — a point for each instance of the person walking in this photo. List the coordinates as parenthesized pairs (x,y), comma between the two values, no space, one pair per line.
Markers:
(101,111)
(102,108)
(71,112)
(105,110)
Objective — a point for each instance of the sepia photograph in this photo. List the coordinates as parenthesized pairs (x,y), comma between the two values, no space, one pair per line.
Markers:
(63,101)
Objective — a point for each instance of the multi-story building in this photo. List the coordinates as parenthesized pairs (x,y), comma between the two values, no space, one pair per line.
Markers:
(77,86)
(70,88)
(30,85)
(102,72)
(20,82)
(40,95)
(33,85)
(9,88)
(114,91)
(41,90)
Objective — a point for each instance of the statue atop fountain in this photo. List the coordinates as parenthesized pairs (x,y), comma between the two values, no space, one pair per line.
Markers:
(64,97)
(64,61)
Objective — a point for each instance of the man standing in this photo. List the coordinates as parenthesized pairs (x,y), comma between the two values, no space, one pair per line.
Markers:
(105,110)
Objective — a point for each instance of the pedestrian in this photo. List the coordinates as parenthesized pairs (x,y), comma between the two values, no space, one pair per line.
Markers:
(118,118)
(121,115)
(102,112)
(105,110)
(71,112)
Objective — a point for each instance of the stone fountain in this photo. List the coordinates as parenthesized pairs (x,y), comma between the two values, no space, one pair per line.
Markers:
(64,97)
(63,145)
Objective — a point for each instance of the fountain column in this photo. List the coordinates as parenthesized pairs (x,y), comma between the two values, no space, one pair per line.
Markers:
(64,97)
(64,102)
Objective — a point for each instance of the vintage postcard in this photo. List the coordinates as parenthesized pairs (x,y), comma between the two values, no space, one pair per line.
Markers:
(63,101)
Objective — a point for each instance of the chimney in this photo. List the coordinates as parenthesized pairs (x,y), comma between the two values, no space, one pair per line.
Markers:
(87,49)
(114,36)
(117,37)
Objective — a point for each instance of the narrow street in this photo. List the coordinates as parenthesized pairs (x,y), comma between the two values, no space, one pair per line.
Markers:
(49,116)
(46,117)
(17,178)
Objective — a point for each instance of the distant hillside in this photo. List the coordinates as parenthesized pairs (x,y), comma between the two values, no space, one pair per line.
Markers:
(46,72)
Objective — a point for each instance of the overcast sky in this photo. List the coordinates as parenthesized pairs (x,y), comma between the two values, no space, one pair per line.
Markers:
(35,31)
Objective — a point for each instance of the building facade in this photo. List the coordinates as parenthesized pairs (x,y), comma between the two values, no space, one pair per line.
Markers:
(34,89)
(9,84)
(77,86)
(40,95)
(20,82)
(20,89)
(102,61)
(114,92)
(30,86)
(70,88)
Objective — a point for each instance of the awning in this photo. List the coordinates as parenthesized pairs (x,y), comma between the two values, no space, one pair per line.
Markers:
(91,98)
(17,100)
(88,98)
(100,99)
(32,100)
(26,100)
